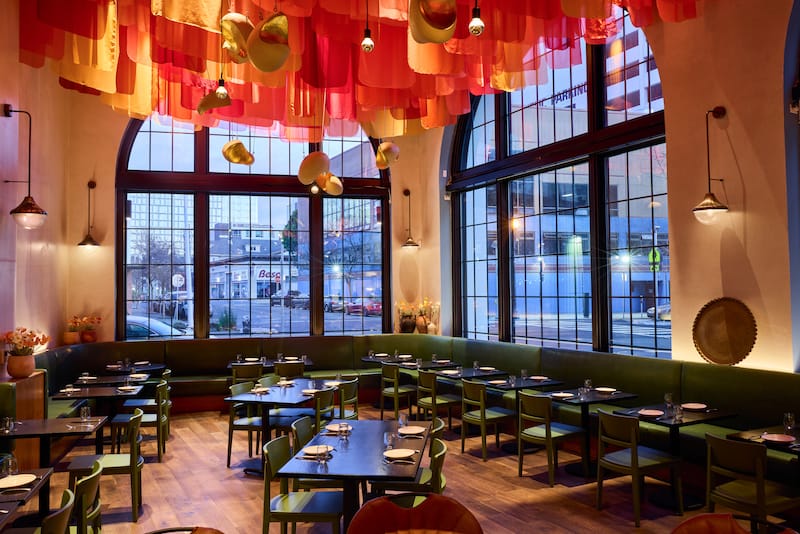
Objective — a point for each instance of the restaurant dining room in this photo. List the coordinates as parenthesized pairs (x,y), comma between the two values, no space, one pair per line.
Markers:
(377,266)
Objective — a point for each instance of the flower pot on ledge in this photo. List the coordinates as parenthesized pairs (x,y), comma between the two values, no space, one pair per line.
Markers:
(20,365)
(72,338)
(88,336)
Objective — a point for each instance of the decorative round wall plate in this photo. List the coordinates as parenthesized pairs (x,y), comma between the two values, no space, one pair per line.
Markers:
(724,331)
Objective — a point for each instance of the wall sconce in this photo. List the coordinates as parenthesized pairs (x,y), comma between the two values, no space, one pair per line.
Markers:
(89,240)
(28,214)
(706,212)
(410,240)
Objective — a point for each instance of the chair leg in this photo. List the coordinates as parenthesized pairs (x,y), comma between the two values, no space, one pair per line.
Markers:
(599,487)
(383,400)
(520,454)
(638,487)
(677,486)
(483,442)
(230,443)
(552,461)
(463,434)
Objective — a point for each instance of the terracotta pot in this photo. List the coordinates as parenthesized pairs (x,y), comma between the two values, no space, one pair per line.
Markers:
(20,366)
(407,325)
(72,338)
(422,325)
(88,336)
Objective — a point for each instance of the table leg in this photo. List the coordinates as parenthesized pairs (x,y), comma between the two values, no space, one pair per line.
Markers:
(350,501)
(44,461)
(577,468)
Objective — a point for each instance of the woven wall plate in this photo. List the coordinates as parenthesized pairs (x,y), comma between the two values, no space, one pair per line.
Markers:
(724,331)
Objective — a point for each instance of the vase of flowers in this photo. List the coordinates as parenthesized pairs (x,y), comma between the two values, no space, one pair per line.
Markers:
(406,318)
(84,326)
(21,343)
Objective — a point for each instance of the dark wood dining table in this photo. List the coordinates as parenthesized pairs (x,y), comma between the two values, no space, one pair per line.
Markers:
(470,373)
(775,432)
(21,495)
(140,366)
(48,429)
(269,364)
(410,363)
(359,458)
(111,380)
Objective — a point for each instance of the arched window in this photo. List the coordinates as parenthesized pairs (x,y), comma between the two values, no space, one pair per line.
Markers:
(211,248)
(561,204)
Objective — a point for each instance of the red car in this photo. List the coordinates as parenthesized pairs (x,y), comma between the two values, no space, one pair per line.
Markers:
(373,308)
(353,308)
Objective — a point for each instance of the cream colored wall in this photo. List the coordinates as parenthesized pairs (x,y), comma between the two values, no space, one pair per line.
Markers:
(734,58)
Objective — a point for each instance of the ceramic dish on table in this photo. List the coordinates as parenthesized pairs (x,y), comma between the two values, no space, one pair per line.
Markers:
(646,412)
(694,406)
(309,391)
(397,454)
(778,438)
(562,395)
(127,388)
(338,427)
(317,450)
(13,481)
(450,372)
(138,376)
(538,377)
(605,390)
(252,359)
(404,357)
(496,382)
(486,368)
(259,390)
(291,358)
(333,383)
(411,430)
(443,361)
(142,362)
(285,383)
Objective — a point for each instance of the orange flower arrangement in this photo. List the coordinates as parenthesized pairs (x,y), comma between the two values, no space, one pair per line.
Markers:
(80,323)
(22,341)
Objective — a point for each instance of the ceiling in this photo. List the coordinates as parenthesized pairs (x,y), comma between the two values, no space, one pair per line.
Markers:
(298,66)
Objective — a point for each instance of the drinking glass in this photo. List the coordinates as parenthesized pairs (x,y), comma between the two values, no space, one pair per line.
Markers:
(86,413)
(127,362)
(788,422)
(678,410)
(7,425)
(582,392)
(70,389)
(338,377)
(587,383)
(279,356)
(402,420)
(419,363)
(310,384)
(434,357)
(304,358)
(13,465)
(668,404)
(459,370)
(388,440)
(476,364)
(512,380)
(238,358)
(523,373)
(396,353)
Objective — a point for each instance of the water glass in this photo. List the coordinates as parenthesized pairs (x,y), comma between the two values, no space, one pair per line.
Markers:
(371,353)
(459,371)
(523,373)
(238,358)
(338,377)
(7,425)
(788,423)
(582,393)
(476,364)
(13,465)
(419,363)
(127,362)
(86,413)
(279,356)
(388,440)
(402,420)
(310,384)
(587,383)
(678,413)
(512,380)
(396,353)
(669,404)
(434,357)
(304,358)
(70,389)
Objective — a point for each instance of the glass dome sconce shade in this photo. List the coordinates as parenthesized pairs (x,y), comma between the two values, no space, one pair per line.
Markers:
(710,208)
(28,214)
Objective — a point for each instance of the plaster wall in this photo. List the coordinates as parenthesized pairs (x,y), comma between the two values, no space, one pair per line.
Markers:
(732,56)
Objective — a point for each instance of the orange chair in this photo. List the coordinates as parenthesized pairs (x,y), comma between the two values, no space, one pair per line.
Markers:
(414,512)
(716,524)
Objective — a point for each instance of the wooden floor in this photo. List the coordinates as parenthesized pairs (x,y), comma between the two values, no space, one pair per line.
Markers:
(193,487)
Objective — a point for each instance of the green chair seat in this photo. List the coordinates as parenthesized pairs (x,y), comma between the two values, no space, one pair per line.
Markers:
(315,506)
(475,397)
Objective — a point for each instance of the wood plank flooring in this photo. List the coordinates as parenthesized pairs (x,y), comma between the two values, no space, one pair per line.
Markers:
(193,487)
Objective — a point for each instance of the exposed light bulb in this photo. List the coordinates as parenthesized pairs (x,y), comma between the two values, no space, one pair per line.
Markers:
(314,189)
(367,44)
(221,92)
(476,25)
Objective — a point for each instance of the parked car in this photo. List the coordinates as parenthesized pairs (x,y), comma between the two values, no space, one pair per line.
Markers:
(138,327)
(285,298)
(663,312)
(301,300)
(334,303)
(373,308)
(353,308)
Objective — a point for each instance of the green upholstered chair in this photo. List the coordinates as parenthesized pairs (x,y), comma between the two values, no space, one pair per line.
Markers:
(158,420)
(268,380)
(290,369)
(475,411)
(437,431)
(535,425)
(618,451)
(391,388)
(302,432)
(129,463)
(429,400)
(348,400)
(243,417)
(55,523)
(246,372)
(735,479)
(429,479)
(294,507)
(150,404)
(86,511)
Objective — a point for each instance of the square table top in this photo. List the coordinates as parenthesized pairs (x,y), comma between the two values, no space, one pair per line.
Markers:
(22,494)
(110,380)
(591,397)
(469,372)
(58,426)
(756,435)
(361,455)
(97,392)
(275,395)
(522,383)
(142,366)
(690,417)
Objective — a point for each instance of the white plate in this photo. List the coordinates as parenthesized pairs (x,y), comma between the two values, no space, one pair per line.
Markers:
(562,395)
(338,427)
(651,413)
(139,376)
(12,481)
(442,361)
(381,355)
(70,390)
(450,372)
(333,383)
(285,383)
(127,388)
(605,390)
(694,406)
(395,454)
(259,390)
(252,359)
(316,450)
(538,377)
(291,358)
(113,366)
(309,391)
(778,438)
(411,430)
(496,382)
(487,368)
(142,362)
(87,378)
(405,357)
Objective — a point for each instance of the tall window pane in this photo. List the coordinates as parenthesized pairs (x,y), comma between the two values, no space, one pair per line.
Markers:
(353,265)
(163,144)
(551,275)
(478,227)
(639,253)
(159,266)
(481,138)
(271,154)
(258,265)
